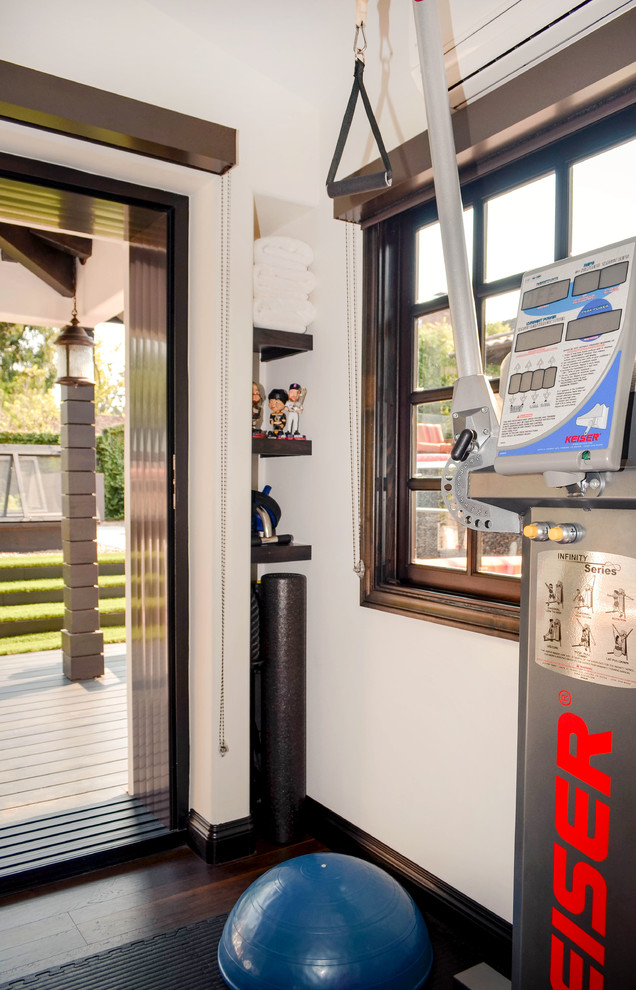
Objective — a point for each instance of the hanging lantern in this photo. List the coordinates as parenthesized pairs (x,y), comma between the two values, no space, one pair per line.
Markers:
(74,348)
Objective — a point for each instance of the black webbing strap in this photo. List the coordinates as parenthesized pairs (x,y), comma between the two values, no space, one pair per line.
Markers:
(358,183)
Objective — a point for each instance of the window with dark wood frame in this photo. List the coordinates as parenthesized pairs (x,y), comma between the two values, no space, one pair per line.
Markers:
(538,209)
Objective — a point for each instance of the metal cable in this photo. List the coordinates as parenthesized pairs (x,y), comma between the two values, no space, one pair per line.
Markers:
(351,274)
(224,368)
(531,37)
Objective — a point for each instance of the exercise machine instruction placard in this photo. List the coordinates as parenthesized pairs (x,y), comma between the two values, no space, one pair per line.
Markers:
(570,365)
(586,613)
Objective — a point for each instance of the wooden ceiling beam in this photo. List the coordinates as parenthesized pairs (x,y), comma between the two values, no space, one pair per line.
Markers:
(54,267)
(78,247)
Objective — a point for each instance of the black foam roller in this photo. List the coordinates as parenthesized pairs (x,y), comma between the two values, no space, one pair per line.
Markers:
(255,644)
(283,606)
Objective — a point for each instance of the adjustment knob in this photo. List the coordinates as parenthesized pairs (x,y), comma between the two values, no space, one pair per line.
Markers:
(566,533)
(537,531)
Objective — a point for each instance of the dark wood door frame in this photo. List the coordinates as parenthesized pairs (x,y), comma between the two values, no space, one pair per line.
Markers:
(66,107)
(141,202)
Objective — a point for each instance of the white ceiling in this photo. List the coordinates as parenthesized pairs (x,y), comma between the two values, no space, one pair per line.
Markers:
(307,49)
(296,44)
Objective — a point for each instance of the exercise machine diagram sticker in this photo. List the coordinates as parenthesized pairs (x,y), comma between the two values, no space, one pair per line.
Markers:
(586,613)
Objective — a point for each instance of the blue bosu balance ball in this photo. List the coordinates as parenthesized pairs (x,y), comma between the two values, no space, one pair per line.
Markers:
(327,921)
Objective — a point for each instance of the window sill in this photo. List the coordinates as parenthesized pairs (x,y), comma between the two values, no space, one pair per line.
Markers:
(490,618)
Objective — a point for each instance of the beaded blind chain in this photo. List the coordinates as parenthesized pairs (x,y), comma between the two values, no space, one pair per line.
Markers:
(224,394)
(351,268)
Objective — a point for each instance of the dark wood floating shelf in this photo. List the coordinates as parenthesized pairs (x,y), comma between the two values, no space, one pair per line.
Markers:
(268,447)
(273,553)
(274,344)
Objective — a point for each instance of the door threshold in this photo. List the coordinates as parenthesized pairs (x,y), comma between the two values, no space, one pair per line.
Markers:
(51,846)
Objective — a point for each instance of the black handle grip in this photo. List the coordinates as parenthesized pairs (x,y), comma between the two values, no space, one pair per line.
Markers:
(374,182)
(461,447)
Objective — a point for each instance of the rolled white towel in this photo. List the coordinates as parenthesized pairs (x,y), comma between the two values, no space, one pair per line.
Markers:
(284,314)
(284,251)
(282,283)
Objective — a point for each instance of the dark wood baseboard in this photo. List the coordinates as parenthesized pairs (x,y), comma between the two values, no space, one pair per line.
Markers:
(221,843)
(473,922)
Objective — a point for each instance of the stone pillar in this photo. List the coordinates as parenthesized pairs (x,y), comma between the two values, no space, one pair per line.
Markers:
(82,641)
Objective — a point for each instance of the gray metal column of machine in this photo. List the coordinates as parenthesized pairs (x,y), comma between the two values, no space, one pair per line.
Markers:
(563,461)
(575,872)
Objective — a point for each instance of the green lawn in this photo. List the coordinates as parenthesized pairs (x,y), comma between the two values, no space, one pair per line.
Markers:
(44,610)
(50,610)
(51,641)
(55,584)
(52,559)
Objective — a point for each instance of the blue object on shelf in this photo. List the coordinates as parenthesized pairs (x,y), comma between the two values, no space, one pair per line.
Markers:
(325,921)
(265,512)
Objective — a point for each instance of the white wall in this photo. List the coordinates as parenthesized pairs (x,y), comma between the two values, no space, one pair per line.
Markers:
(411,725)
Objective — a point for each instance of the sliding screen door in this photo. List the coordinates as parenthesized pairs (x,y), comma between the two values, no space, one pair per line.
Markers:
(148,508)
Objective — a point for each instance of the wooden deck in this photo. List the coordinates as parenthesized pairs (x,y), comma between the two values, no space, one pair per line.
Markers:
(64,769)
(63,744)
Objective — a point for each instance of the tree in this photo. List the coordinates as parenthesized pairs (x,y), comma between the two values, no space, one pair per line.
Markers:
(436,351)
(110,461)
(24,348)
(495,330)
(110,389)
(27,374)
(29,402)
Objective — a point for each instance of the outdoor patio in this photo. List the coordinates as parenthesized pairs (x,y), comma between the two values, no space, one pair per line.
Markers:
(63,744)
(64,766)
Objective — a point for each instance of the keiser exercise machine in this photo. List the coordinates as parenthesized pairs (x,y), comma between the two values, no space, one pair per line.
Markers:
(558,464)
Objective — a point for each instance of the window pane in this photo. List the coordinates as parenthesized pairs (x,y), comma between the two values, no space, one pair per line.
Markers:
(436,537)
(44,489)
(430,273)
(520,229)
(499,553)
(432,438)
(500,320)
(10,501)
(604,198)
(435,349)
(32,485)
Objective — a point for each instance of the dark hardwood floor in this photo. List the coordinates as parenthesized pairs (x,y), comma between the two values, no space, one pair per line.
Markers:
(67,920)
(56,923)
